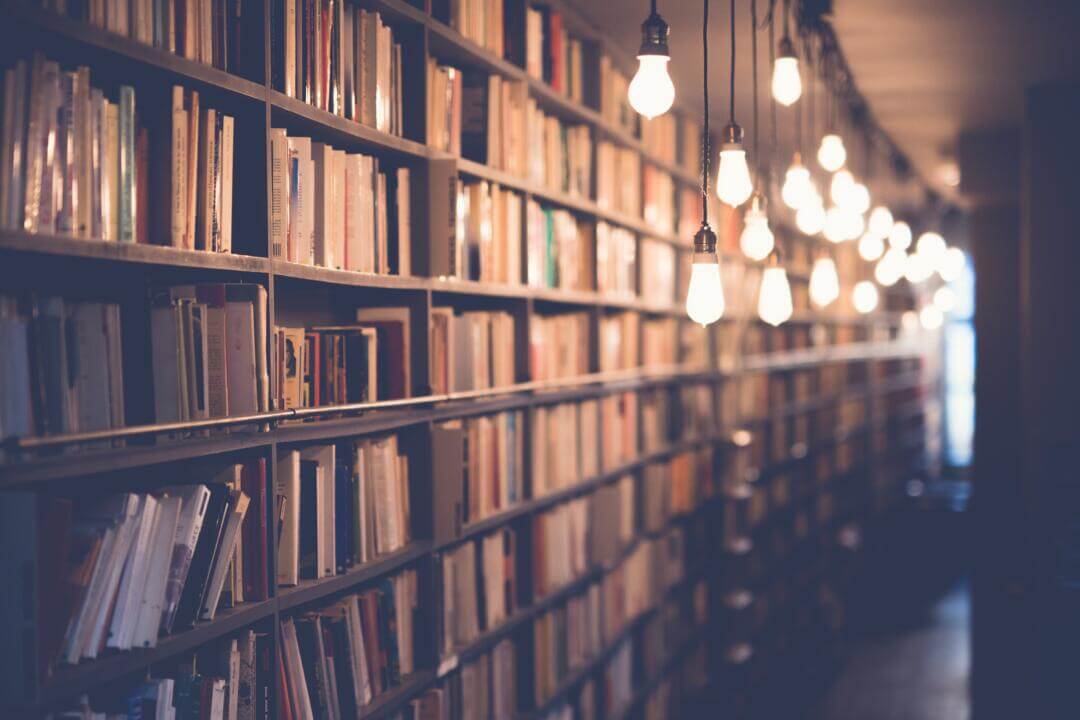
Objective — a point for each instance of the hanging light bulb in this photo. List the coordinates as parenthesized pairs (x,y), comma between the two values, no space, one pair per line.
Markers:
(824,282)
(841,184)
(945,299)
(705,293)
(810,218)
(797,187)
(900,235)
(930,317)
(831,154)
(918,268)
(932,247)
(881,221)
(858,198)
(864,296)
(774,296)
(871,245)
(757,239)
(835,225)
(733,183)
(909,321)
(890,267)
(951,264)
(651,92)
(853,223)
(786,82)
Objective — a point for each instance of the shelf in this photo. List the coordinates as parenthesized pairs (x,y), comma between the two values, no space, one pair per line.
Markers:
(64,246)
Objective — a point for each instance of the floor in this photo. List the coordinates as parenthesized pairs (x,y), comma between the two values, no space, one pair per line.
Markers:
(918,671)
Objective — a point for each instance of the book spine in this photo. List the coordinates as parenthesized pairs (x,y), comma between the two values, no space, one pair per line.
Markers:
(126,122)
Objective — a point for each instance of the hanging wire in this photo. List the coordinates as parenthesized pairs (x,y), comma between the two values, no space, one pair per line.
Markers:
(732,99)
(775,150)
(652,6)
(705,129)
(753,65)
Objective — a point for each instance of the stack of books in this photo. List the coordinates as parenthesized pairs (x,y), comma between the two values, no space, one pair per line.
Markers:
(559,346)
(551,53)
(563,439)
(613,521)
(619,426)
(659,342)
(478,589)
(471,350)
(614,88)
(487,237)
(658,260)
(616,261)
(478,20)
(618,178)
(558,249)
(659,136)
(337,209)
(560,548)
(564,639)
(560,154)
(659,199)
(619,341)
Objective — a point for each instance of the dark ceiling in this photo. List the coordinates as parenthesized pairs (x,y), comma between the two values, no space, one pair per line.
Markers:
(927,68)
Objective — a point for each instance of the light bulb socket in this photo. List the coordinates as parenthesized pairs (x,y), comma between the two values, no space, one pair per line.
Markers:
(773,260)
(705,239)
(758,201)
(786,48)
(654,36)
(731,137)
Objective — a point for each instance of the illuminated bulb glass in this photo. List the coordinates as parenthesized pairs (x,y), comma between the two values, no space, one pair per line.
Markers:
(945,299)
(835,225)
(786,83)
(756,240)
(810,218)
(840,185)
(832,155)
(881,221)
(733,183)
(871,246)
(900,236)
(909,321)
(918,268)
(858,198)
(890,267)
(797,190)
(853,223)
(864,296)
(774,299)
(931,318)
(705,295)
(951,264)
(824,282)
(651,92)
(932,247)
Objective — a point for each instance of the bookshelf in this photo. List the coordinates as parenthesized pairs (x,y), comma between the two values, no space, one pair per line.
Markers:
(846,471)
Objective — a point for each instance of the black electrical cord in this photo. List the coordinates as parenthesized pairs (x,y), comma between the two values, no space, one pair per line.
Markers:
(732,99)
(705,133)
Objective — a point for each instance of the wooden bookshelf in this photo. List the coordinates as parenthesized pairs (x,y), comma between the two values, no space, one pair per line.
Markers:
(145,454)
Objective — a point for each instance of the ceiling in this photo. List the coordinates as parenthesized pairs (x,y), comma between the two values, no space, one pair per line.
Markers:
(927,69)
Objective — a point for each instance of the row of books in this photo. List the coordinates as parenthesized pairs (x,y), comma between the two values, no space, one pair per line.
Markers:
(63,370)
(198,30)
(338,58)
(337,209)
(480,468)
(559,346)
(224,680)
(560,153)
(487,237)
(619,429)
(673,139)
(484,688)
(328,365)
(337,660)
(618,340)
(616,261)
(335,512)
(552,54)
(481,21)
(73,162)
(656,418)
(472,350)
(614,93)
(564,639)
(618,178)
(558,249)
(675,486)
(119,571)
(560,548)
(478,589)
(658,198)
(660,342)
(638,582)
(564,447)
(208,351)
(614,519)
(658,265)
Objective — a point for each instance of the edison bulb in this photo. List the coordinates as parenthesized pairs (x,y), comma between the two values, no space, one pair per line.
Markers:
(864,296)
(858,198)
(705,295)
(835,225)
(733,183)
(918,268)
(853,223)
(810,218)
(945,299)
(824,282)
(871,245)
(840,185)
(932,247)
(930,317)
(890,267)
(831,154)
(757,239)
(951,264)
(881,221)
(651,92)
(900,236)
(786,82)
(774,298)
(797,189)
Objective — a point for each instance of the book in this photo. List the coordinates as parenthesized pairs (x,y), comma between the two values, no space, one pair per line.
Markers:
(471,350)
